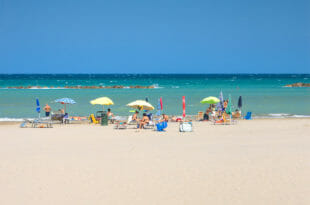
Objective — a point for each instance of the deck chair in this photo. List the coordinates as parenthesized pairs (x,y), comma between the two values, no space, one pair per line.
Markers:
(248,116)
(66,119)
(41,123)
(150,124)
(131,123)
(199,116)
(93,119)
(120,125)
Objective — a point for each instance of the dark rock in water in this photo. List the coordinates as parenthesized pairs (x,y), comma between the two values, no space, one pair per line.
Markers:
(298,85)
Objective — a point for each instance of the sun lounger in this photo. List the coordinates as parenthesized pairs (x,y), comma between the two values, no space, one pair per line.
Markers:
(199,116)
(225,121)
(37,123)
(120,125)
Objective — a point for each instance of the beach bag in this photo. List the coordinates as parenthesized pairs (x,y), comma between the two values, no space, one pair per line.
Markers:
(186,127)
(161,126)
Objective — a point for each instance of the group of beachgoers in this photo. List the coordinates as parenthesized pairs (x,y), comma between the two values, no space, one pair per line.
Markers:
(211,113)
(146,118)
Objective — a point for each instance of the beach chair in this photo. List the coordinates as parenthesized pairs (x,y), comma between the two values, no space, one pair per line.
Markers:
(131,123)
(248,116)
(42,123)
(150,124)
(93,119)
(224,121)
(66,119)
(120,125)
(199,116)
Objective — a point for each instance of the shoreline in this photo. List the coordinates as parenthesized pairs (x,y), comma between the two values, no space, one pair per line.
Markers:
(195,121)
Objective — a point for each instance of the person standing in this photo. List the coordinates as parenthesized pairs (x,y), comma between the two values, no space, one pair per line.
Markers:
(47,109)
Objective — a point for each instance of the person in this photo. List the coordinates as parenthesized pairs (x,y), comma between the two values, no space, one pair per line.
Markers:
(47,109)
(206,115)
(225,104)
(110,115)
(165,118)
(236,114)
(135,116)
(61,111)
(144,121)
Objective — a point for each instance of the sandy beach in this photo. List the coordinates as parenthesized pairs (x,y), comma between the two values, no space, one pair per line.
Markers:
(254,162)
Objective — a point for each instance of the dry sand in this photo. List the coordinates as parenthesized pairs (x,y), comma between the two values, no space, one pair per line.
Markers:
(253,162)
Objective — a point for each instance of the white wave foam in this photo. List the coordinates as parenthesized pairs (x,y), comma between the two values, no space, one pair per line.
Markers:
(278,114)
(156,86)
(6,119)
(281,115)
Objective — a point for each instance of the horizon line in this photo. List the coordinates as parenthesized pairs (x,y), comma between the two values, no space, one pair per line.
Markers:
(154,73)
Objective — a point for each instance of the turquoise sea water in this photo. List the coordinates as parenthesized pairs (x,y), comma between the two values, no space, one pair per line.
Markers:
(264,95)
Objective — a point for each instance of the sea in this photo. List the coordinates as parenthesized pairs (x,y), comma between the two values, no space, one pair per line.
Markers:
(265,95)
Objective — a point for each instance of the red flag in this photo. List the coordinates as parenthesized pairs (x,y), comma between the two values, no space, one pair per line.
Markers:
(161,104)
(183,106)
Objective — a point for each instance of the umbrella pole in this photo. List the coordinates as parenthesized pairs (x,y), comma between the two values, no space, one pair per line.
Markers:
(65,108)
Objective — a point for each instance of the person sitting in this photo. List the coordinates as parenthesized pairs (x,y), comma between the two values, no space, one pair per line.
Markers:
(135,116)
(236,114)
(206,115)
(61,111)
(165,118)
(144,121)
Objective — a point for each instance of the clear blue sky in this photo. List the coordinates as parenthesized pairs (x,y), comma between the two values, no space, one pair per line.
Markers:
(162,36)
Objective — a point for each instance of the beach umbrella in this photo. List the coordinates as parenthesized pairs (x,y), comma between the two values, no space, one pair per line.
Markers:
(220,105)
(102,101)
(228,108)
(240,102)
(210,100)
(38,109)
(183,100)
(65,101)
(158,108)
(141,105)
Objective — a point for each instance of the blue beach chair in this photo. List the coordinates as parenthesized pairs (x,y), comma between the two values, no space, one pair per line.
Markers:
(248,116)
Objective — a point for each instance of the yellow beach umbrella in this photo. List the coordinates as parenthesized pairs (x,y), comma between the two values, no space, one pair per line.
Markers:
(102,101)
(141,105)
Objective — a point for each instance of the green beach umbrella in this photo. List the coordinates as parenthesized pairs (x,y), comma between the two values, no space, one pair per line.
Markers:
(228,108)
(210,100)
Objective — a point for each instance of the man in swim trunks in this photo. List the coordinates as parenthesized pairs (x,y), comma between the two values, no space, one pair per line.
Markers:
(47,109)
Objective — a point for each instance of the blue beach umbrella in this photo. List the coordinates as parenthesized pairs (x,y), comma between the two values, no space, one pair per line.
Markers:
(38,109)
(65,101)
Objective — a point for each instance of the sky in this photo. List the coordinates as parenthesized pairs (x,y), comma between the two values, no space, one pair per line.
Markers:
(162,36)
